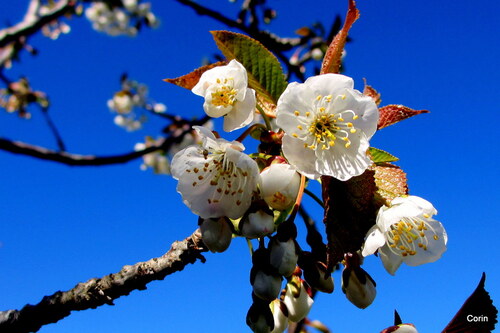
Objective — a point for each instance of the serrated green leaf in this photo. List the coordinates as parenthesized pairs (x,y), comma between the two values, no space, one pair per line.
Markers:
(381,156)
(265,74)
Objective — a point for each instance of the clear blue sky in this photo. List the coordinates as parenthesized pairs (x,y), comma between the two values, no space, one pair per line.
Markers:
(61,225)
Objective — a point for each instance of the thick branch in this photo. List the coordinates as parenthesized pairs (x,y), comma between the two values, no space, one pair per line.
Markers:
(42,153)
(97,292)
(32,23)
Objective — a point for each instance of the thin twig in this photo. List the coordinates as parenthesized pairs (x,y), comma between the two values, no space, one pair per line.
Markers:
(99,291)
(53,129)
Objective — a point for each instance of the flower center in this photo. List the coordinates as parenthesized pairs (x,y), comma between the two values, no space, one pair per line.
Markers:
(328,126)
(225,95)
(410,235)
(218,171)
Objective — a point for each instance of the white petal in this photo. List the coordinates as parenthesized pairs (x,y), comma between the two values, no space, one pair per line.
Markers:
(242,113)
(303,159)
(329,84)
(435,247)
(391,260)
(374,241)
(363,106)
(344,163)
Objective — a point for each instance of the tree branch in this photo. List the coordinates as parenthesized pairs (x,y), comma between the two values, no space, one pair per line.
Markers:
(21,148)
(100,291)
(32,22)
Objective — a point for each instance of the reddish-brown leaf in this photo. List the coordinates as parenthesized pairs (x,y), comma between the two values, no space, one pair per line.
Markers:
(333,56)
(188,81)
(390,180)
(370,91)
(350,211)
(391,114)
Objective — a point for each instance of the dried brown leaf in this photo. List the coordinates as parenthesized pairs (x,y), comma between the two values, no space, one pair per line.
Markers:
(188,81)
(333,56)
(391,114)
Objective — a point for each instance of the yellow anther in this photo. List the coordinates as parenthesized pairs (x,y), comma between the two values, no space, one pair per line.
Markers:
(308,113)
(319,97)
(300,127)
(347,145)
(343,96)
(341,119)
(427,216)
(436,237)
(297,113)
(331,143)
(295,135)
(355,117)
(322,109)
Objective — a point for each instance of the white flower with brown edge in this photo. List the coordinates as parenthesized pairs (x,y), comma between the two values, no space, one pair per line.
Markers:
(226,93)
(406,232)
(215,178)
(328,125)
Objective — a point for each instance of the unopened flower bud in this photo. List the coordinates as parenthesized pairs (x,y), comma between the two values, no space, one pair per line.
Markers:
(401,328)
(216,234)
(357,284)
(280,316)
(121,102)
(259,317)
(266,285)
(298,299)
(284,255)
(257,224)
(316,273)
(280,185)
(359,287)
(265,282)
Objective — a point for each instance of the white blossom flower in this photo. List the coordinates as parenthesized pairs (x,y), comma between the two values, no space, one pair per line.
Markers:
(280,316)
(226,93)
(280,185)
(297,300)
(129,123)
(215,178)
(122,102)
(327,125)
(406,232)
(155,160)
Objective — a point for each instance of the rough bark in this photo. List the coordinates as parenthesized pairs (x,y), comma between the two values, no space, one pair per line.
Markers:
(100,291)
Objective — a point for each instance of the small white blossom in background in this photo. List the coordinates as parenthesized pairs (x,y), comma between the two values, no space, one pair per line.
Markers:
(328,125)
(155,160)
(116,21)
(226,93)
(280,185)
(406,232)
(127,104)
(215,178)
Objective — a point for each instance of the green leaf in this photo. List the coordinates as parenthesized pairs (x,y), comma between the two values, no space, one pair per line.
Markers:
(265,74)
(380,156)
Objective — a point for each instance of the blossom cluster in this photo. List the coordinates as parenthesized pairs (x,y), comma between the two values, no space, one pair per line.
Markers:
(120,20)
(124,103)
(322,128)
